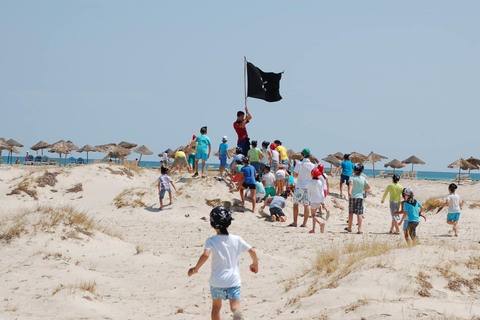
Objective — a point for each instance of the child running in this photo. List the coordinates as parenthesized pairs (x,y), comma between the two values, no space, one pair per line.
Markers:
(277,203)
(411,210)
(204,147)
(225,282)
(223,155)
(454,203)
(164,183)
(316,198)
(395,190)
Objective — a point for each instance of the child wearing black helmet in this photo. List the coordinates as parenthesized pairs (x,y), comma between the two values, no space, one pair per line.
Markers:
(454,203)
(357,185)
(225,282)
(395,190)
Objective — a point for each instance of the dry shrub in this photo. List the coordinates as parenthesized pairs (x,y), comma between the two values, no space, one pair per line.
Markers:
(24,186)
(356,305)
(48,178)
(473,263)
(131,198)
(433,203)
(474,205)
(77,188)
(217,203)
(129,167)
(425,286)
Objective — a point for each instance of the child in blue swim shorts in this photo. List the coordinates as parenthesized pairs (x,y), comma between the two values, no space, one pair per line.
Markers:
(454,203)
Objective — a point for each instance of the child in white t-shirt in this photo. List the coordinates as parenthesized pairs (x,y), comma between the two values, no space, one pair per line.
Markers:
(225,248)
(268,180)
(454,203)
(316,196)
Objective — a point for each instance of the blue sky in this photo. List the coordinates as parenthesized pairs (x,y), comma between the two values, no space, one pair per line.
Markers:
(399,78)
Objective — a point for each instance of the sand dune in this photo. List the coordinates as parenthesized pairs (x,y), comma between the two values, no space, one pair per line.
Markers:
(88,242)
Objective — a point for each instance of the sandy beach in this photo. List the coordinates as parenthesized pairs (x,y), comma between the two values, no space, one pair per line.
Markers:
(89,242)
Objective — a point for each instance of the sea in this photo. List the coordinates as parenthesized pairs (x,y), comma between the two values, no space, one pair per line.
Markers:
(425,175)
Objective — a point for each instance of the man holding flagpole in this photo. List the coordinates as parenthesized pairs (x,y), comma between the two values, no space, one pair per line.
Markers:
(243,141)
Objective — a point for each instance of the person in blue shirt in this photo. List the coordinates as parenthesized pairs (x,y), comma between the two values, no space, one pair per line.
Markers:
(347,169)
(204,147)
(223,154)
(412,210)
(249,174)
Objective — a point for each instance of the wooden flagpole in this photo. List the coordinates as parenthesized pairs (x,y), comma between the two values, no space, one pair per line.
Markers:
(245,78)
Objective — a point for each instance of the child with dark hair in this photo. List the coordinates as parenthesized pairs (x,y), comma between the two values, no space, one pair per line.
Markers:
(223,155)
(204,147)
(356,187)
(249,174)
(277,204)
(411,210)
(255,155)
(454,203)
(236,179)
(395,190)
(164,183)
(225,282)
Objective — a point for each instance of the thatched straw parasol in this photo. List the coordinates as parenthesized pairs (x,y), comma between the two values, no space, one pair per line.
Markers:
(332,160)
(104,147)
(338,155)
(356,157)
(12,143)
(127,145)
(118,152)
(372,158)
(87,148)
(462,164)
(40,145)
(3,146)
(290,153)
(142,150)
(395,164)
(413,160)
(474,161)
(60,147)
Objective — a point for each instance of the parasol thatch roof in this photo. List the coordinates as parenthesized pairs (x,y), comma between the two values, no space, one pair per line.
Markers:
(4,145)
(356,157)
(142,150)
(463,164)
(59,147)
(474,161)
(413,160)
(104,147)
(118,152)
(71,147)
(14,143)
(395,164)
(87,148)
(332,159)
(127,145)
(338,155)
(40,145)
(373,157)
(14,149)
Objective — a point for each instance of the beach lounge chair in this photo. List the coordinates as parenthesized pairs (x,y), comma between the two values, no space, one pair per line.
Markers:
(390,174)
(404,175)
(38,160)
(382,174)
(96,161)
(80,161)
(52,162)
(44,160)
(29,160)
(413,175)
(72,161)
(466,177)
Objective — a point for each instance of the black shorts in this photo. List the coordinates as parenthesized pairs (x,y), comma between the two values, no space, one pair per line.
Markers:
(251,186)
(412,229)
(277,212)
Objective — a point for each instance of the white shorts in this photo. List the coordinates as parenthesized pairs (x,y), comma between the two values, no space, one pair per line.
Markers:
(316,205)
(280,174)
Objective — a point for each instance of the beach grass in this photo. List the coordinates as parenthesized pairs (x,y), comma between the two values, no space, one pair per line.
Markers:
(47,219)
(432,203)
(132,198)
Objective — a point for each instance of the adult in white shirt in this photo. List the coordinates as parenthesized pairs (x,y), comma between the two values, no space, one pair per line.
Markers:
(302,172)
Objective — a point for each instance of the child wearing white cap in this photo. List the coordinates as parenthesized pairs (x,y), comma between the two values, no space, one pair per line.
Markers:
(223,154)
(411,210)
